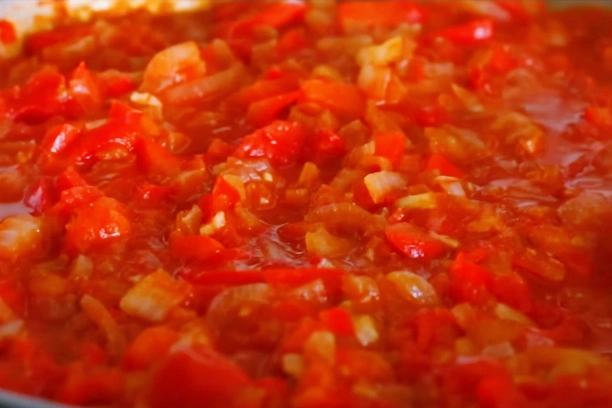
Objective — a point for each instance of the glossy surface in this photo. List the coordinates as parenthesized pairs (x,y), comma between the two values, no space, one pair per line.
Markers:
(310,205)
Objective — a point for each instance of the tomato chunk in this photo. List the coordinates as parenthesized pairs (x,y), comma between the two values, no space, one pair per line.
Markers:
(413,242)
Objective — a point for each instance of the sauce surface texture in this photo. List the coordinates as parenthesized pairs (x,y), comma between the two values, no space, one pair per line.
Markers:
(322,204)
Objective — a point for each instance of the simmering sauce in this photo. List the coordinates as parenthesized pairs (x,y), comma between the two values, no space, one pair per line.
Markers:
(310,204)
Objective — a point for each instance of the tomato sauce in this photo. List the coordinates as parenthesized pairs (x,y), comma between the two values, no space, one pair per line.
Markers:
(310,204)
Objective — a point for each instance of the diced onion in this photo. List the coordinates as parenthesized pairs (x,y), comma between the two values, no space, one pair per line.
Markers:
(365,330)
(413,288)
(380,55)
(230,300)
(321,346)
(311,292)
(154,296)
(382,183)
(505,312)
(501,350)
(422,201)
(101,317)
(293,365)
(345,215)
(11,329)
(323,244)
(20,236)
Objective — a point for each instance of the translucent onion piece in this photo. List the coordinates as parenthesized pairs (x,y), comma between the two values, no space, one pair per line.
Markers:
(382,183)
(413,288)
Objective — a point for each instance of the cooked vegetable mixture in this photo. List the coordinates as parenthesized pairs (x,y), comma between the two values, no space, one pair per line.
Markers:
(310,205)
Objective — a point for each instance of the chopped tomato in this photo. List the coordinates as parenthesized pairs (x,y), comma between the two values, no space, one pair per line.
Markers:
(440,163)
(413,242)
(189,376)
(345,99)
(471,33)
(280,142)
(7,32)
(267,110)
(391,146)
(196,248)
(99,226)
(388,13)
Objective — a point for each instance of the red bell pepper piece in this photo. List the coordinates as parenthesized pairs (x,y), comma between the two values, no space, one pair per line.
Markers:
(470,33)
(513,290)
(116,84)
(155,160)
(470,282)
(281,142)
(97,226)
(84,89)
(124,113)
(413,242)
(110,135)
(56,145)
(39,99)
(224,196)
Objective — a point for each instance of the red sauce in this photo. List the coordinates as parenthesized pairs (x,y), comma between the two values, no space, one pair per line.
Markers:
(352,204)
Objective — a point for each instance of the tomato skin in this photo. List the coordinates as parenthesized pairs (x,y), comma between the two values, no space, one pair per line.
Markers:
(280,142)
(413,242)
(186,378)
